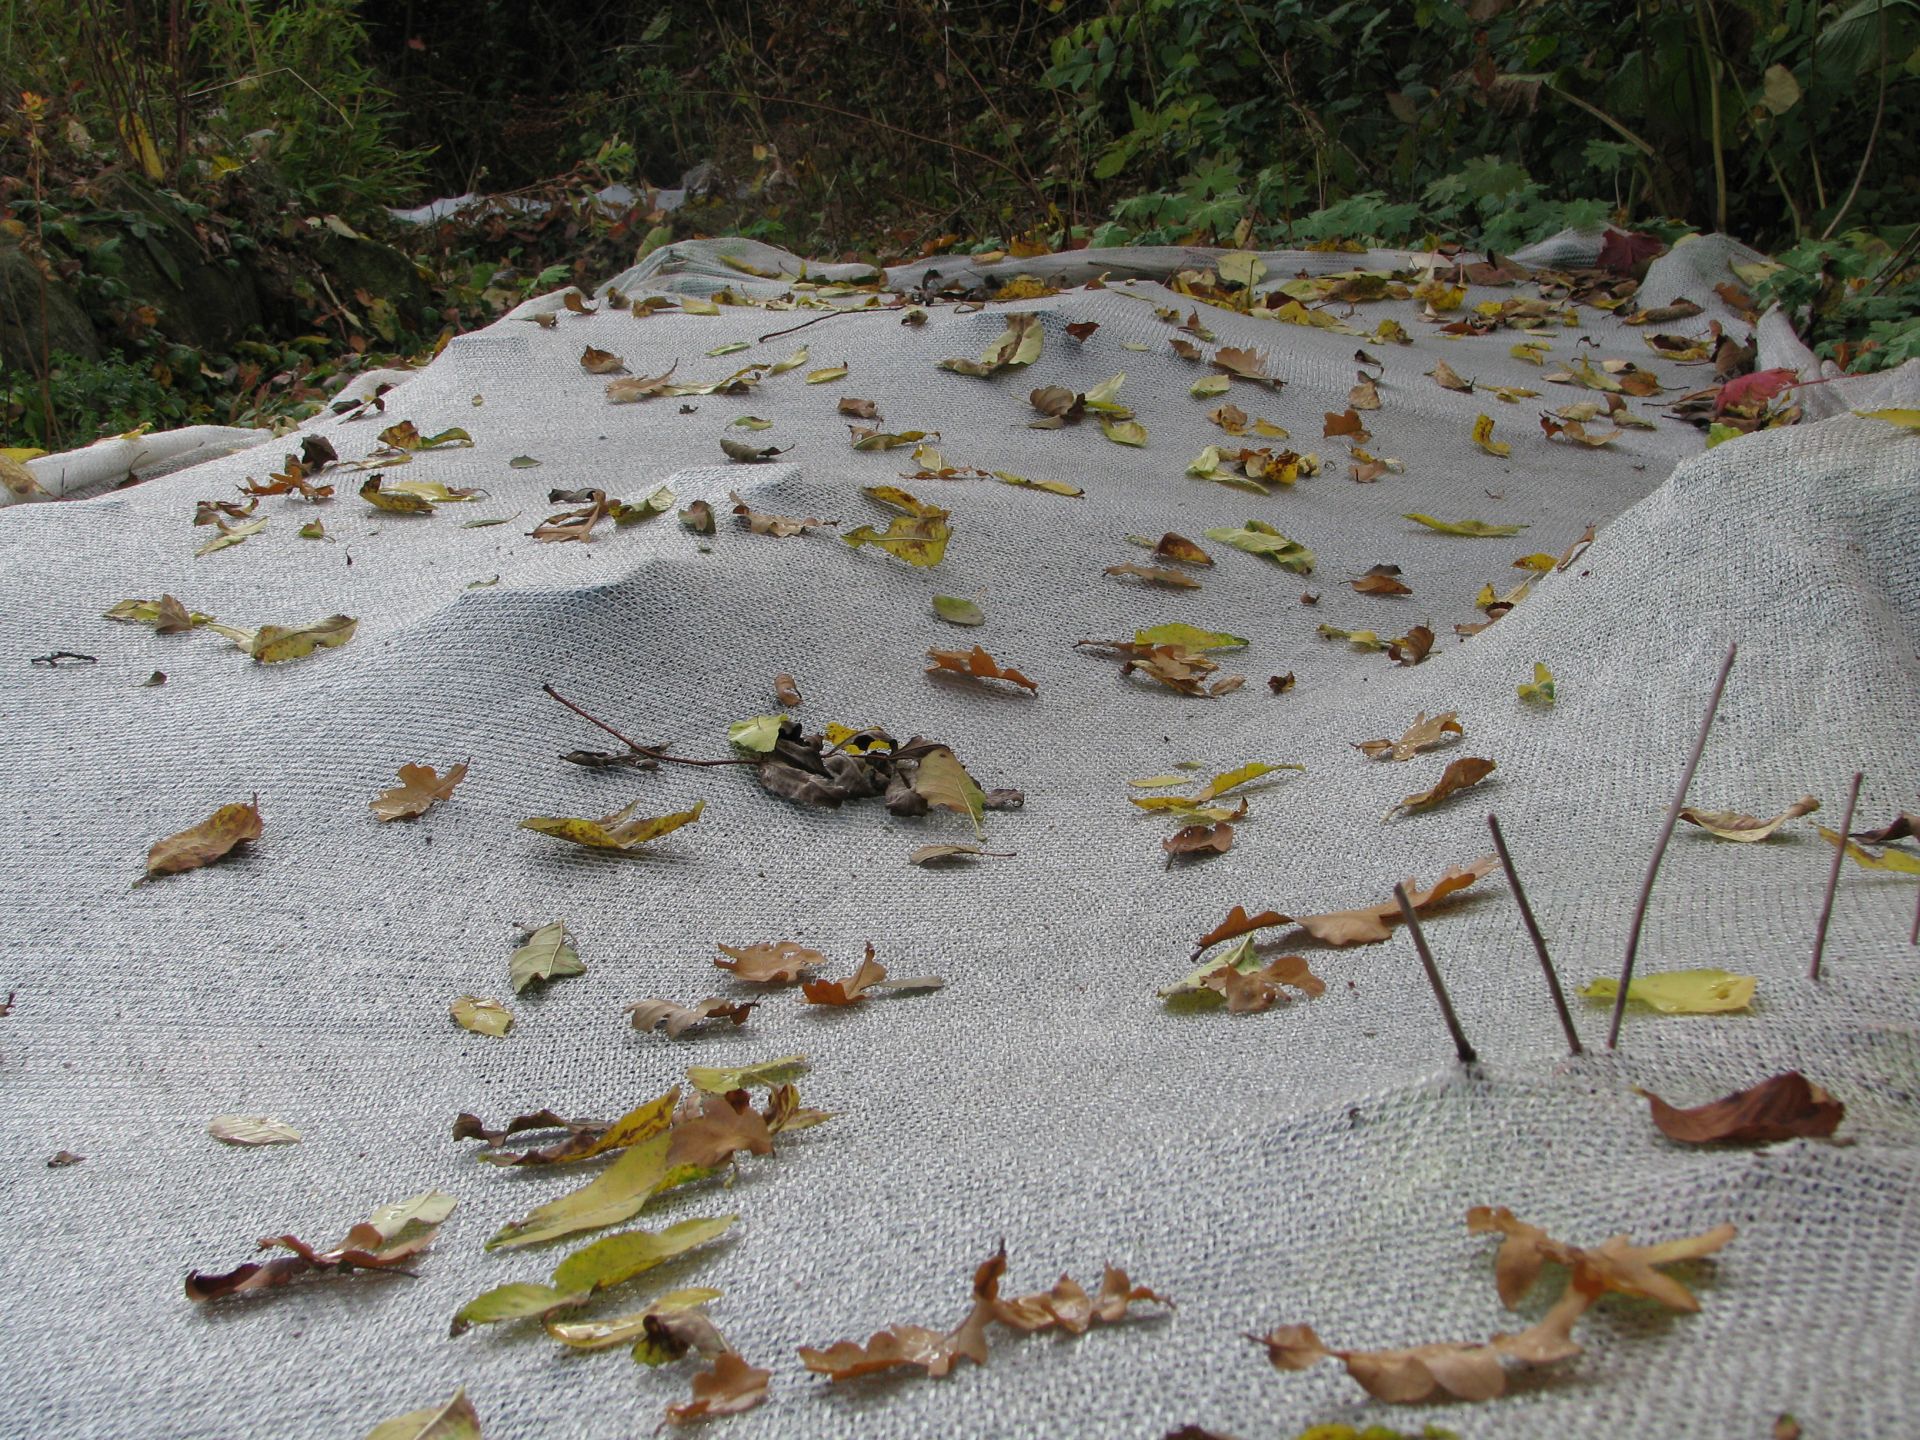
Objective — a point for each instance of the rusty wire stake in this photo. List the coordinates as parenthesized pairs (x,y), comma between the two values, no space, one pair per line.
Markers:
(1833,876)
(1460,1045)
(1533,933)
(1660,848)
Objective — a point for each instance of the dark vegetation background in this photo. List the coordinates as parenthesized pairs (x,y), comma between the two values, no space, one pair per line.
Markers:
(193,217)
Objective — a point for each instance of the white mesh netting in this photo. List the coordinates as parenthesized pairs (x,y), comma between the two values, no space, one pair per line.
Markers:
(1310,1164)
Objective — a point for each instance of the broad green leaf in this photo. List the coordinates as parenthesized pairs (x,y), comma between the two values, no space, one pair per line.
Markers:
(792,362)
(765,1075)
(1052,487)
(522,1300)
(1209,386)
(548,954)
(625,1329)
(612,832)
(619,1258)
(1892,857)
(455,1420)
(1681,992)
(1905,419)
(732,347)
(1257,537)
(943,781)
(826,375)
(1190,636)
(1719,432)
(1479,529)
(1124,432)
(920,540)
(482,1017)
(658,503)
(617,1194)
(760,733)
(956,611)
(231,535)
(1540,692)
(1233,779)
(1015,347)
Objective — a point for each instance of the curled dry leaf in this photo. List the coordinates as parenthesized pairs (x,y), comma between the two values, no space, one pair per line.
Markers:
(1238,923)
(211,839)
(1374,924)
(601,362)
(1365,394)
(1423,734)
(726,1387)
(583,1140)
(1538,691)
(1178,667)
(859,409)
(1785,1107)
(871,975)
(979,665)
(1066,1307)
(1156,575)
(1461,773)
(1175,548)
(252,1130)
(455,1420)
(761,523)
(1902,827)
(389,1238)
(420,788)
(936,854)
(1891,857)
(1245,364)
(615,831)
(482,1017)
(546,954)
(1447,378)
(1244,979)
(650,1015)
(1732,825)
(573,524)
(771,962)
(1616,1266)
(641,387)
(1412,647)
(785,691)
(1200,839)
(698,517)
(1381,580)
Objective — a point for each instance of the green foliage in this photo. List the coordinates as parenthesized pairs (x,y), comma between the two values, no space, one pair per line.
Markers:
(1855,298)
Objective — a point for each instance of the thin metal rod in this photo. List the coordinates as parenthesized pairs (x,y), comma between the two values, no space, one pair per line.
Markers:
(1833,876)
(1660,848)
(1533,933)
(1460,1045)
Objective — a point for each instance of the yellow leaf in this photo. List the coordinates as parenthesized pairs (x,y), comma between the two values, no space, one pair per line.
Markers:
(420,787)
(827,375)
(764,1075)
(1124,432)
(1540,692)
(273,643)
(1016,346)
(1052,487)
(612,832)
(1905,419)
(1233,779)
(395,501)
(1890,858)
(1209,386)
(1539,563)
(695,305)
(455,1420)
(1479,529)
(1190,636)
(618,1193)
(1483,437)
(1682,992)
(1534,352)
(1360,639)
(792,362)
(482,1017)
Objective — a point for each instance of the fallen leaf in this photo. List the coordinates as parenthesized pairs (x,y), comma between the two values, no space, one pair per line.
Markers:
(871,975)
(650,1015)
(1902,827)
(600,1266)
(390,1237)
(1891,858)
(1365,394)
(60,1159)
(633,513)
(1783,1107)
(1124,432)
(1483,437)
(208,841)
(455,1420)
(1903,419)
(230,535)
(1051,487)
(1014,348)
(956,611)
(584,1139)
(574,525)
(1381,580)
(1423,734)
(1065,1307)
(1541,690)
(1480,529)
(940,780)
(1194,839)
(615,831)
(761,1075)
(420,787)
(252,1130)
(771,962)
(482,1017)
(1616,1266)
(1280,684)
(934,854)
(727,1387)
(404,436)
(1681,992)
(979,665)
(918,536)
(166,615)
(761,523)
(640,387)
(1178,667)
(1346,423)
(1189,636)
(1374,924)
(605,362)
(1359,639)
(1239,923)
(698,517)
(1244,980)
(1461,773)
(1732,825)
(1156,575)
(1257,537)
(1447,378)
(1412,647)
(750,454)
(546,954)
(639,1328)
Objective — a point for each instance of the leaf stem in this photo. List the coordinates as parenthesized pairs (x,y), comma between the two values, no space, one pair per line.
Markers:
(650,751)
(1660,849)
(1833,877)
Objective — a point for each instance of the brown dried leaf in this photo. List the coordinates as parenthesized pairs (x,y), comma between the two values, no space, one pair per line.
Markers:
(601,362)
(201,844)
(1185,349)
(1423,734)
(1784,1107)
(1369,926)
(771,962)
(1239,923)
(1615,1266)
(1461,773)
(727,1387)
(1732,825)
(761,523)
(420,788)
(1180,550)
(1280,684)
(978,664)
(1412,647)
(1365,395)
(1156,575)
(393,1235)
(1178,667)
(1194,839)
(1902,827)
(1251,992)
(1382,580)
(715,1128)
(859,409)
(1447,378)
(1347,423)
(573,524)
(641,387)
(870,976)
(577,305)
(1245,365)
(678,1019)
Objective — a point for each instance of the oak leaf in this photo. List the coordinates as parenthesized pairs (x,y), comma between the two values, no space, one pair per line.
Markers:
(871,975)
(1423,734)
(390,1237)
(1615,1266)
(727,1387)
(420,788)
(771,962)
(1238,923)
(1461,773)
(1375,923)
(650,1015)
(208,841)
(979,665)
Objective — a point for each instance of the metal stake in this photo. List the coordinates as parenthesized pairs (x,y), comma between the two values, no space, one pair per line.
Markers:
(1460,1045)
(1533,933)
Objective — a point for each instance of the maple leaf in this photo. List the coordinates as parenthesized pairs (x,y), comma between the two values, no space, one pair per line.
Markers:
(420,787)
(614,831)
(979,665)
(717,1128)
(390,1237)
(1783,1107)
(1375,923)
(1423,734)
(870,976)
(650,1015)
(208,841)
(771,962)
(1733,825)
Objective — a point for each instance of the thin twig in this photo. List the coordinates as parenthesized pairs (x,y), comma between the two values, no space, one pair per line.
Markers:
(1460,1045)
(1533,932)
(846,310)
(1913,936)
(1873,136)
(1833,877)
(651,752)
(1660,848)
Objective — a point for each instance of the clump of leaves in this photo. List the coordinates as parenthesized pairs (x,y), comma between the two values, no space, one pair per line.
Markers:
(1178,667)
(838,765)
(1016,347)
(1066,1307)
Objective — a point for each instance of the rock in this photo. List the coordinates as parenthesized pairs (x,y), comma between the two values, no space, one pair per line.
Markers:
(358,262)
(21,296)
(203,301)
